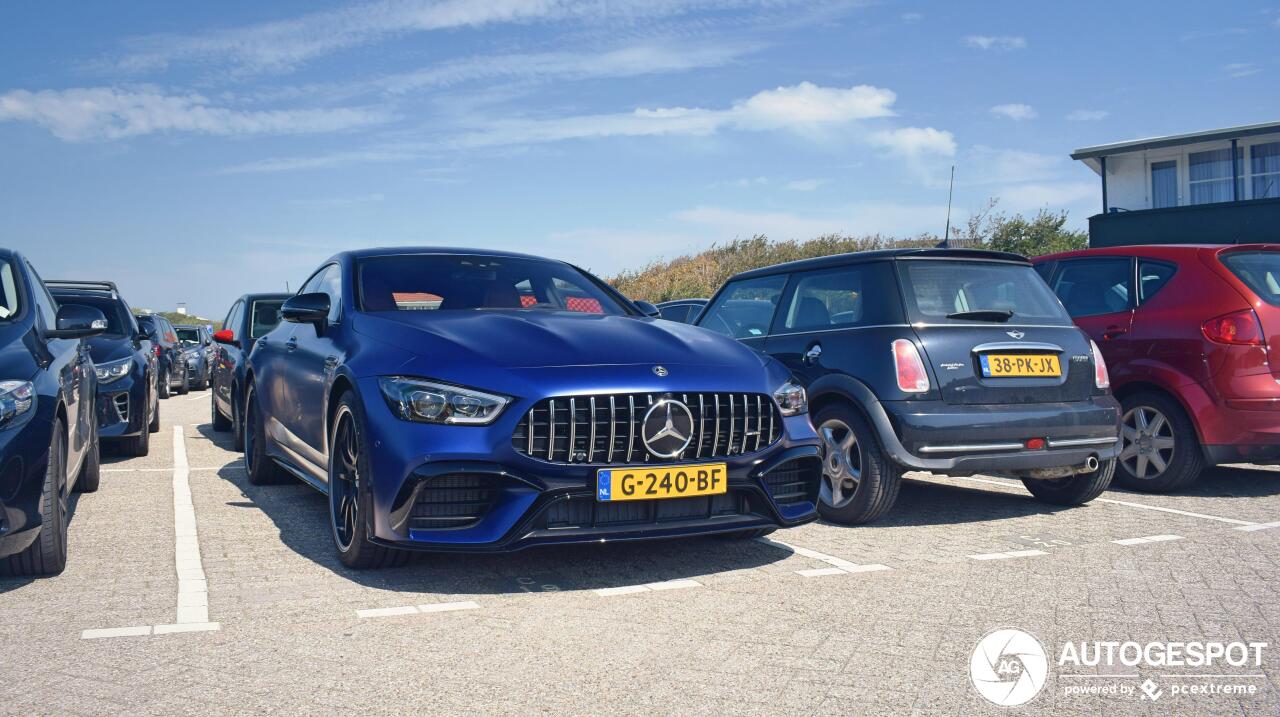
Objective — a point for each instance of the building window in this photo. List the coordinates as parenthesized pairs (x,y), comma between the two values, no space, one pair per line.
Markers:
(1164,184)
(1210,174)
(1265,170)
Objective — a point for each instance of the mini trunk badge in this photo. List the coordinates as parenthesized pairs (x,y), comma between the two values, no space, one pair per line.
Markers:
(660,371)
(1016,334)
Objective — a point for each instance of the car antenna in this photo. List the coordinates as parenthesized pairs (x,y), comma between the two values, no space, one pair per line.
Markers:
(946,234)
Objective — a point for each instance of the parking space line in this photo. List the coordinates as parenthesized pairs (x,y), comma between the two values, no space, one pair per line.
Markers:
(138,631)
(1259,526)
(1009,554)
(838,565)
(648,587)
(418,609)
(1147,539)
(203,394)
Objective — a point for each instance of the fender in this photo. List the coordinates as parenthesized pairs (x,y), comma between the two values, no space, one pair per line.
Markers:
(1188,392)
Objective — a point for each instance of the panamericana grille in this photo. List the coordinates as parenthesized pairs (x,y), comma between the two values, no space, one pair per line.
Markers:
(451,501)
(606,429)
(586,512)
(794,482)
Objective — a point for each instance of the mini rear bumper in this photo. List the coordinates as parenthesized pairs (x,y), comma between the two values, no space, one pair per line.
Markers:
(964,439)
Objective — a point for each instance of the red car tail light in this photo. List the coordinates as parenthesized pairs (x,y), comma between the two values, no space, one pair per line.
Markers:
(912,376)
(1240,328)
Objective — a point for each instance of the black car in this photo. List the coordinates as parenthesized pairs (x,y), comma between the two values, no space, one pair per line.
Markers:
(197,352)
(943,360)
(128,402)
(683,310)
(251,317)
(48,435)
(172,361)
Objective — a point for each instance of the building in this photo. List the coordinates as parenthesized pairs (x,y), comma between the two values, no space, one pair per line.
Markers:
(1220,186)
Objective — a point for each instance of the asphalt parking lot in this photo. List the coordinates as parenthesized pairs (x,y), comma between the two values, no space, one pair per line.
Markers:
(232,601)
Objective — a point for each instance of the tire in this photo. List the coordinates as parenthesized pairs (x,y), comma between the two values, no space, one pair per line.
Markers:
(48,554)
(875,478)
(350,504)
(164,384)
(91,470)
(220,423)
(140,445)
(1076,490)
(237,424)
(154,425)
(751,534)
(1168,437)
(185,386)
(261,468)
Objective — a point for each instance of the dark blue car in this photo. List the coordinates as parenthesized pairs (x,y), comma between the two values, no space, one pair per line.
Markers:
(250,318)
(48,435)
(450,399)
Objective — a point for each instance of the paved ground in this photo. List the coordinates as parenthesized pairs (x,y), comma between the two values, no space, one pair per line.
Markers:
(822,620)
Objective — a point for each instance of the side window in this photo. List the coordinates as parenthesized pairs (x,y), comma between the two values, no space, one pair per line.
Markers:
(1090,287)
(1153,275)
(745,308)
(1045,270)
(678,312)
(45,303)
(841,298)
(327,281)
(233,320)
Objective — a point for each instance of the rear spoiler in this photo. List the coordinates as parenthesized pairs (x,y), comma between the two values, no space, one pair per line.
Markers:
(83,285)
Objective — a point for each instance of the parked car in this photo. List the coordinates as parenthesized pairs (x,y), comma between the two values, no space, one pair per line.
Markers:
(197,354)
(683,310)
(168,350)
(1192,337)
(48,435)
(128,399)
(250,318)
(484,401)
(942,360)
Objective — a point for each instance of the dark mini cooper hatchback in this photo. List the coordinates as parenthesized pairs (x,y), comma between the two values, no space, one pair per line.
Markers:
(452,399)
(942,360)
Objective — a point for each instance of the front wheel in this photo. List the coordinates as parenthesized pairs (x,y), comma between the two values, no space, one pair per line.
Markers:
(185,385)
(349,501)
(1076,490)
(859,481)
(164,384)
(48,554)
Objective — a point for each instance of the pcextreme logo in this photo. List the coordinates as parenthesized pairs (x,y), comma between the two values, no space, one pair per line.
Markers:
(1008,667)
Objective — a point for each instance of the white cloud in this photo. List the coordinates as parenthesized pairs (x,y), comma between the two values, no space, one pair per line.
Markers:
(1015,111)
(889,218)
(1001,42)
(1054,195)
(988,165)
(915,141)
(912,17)
(87,113)
(1087,115)
(804,185)
(1241,69)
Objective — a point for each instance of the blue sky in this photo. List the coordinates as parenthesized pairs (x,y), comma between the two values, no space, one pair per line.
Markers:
(194,152)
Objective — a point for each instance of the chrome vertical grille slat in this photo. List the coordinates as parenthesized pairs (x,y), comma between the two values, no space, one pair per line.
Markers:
(613,430)
(551,432)
(631,430)
(759,422)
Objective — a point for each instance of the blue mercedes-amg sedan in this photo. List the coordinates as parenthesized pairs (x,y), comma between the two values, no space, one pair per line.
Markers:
(452,399)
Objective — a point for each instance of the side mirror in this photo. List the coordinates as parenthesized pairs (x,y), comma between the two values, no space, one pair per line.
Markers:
(226,336)
(647,309)
(306,309)
(77,322)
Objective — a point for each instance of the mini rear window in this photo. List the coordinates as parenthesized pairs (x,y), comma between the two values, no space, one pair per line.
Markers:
(1259,270)
(962,292)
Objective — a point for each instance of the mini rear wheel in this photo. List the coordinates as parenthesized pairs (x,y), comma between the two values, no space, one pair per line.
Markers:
(1076,490)
(859,481)
(1159,448)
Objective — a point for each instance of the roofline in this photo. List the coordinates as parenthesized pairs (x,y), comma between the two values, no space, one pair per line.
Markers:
(834,260)
(1174,140)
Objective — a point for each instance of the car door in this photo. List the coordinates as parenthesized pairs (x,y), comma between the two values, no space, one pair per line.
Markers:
(226,356)
(312,356)
(75,368)
(745,308)
(1099,294)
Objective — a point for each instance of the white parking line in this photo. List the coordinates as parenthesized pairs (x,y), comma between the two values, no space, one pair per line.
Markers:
(664,585)
(1010,554)
(203,394)
(1259,526)
(838,565)
(418,609)
(1147,539)
(193,589)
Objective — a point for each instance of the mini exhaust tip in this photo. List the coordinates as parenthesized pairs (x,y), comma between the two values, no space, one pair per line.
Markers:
(1091,463)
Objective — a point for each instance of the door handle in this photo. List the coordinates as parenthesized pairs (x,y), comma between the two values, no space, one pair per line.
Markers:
(291,344)
(813,354)
(1112,332)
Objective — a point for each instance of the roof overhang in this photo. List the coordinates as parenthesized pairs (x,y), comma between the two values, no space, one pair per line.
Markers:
(1138,145)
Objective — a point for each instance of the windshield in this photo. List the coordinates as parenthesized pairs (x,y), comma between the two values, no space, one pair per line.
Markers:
(264,317)
(460,283)
(963,292)
(188,336)
(1259,270)
(117,319)
(9,305)
(744,308)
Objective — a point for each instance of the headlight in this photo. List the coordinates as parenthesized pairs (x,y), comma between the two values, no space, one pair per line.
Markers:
(791,398)
(16,398)
(114,370)
(415,399)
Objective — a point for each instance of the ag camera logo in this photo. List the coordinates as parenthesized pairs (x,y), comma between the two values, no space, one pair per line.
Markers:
(1008,667)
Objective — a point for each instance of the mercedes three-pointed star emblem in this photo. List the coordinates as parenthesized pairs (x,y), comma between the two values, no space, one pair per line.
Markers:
(667,428)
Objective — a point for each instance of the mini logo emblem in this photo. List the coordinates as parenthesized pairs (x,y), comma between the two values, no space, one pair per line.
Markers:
(1016,334)
(660,371)
(667,428)
(1008,667)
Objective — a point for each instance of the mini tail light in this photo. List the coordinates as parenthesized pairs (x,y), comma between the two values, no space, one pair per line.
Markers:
(1240,328)
(912,376)
(1101,377)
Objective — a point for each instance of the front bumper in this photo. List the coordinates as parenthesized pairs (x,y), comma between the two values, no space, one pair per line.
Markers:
(463,488)
(122,408)
(24,456)
(964,439)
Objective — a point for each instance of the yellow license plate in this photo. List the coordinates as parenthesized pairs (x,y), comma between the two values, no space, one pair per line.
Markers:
(1014,365)
(650,482)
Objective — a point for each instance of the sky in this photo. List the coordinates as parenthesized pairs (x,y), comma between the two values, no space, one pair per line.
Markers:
(193,152)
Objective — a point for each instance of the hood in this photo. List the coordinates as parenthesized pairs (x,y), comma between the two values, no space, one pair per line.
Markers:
(105,349)
(515,339)
(17,343)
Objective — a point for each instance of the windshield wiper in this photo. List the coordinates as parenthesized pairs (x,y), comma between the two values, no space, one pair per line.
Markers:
(983,315)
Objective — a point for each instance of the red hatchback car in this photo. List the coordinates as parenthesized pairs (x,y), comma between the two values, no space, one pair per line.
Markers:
(1189,333)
